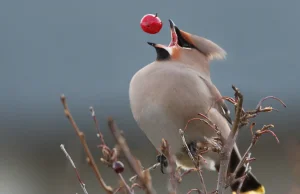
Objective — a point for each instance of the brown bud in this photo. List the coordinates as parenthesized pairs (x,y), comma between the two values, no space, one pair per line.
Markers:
(118,166)
(106,153)
(88,160)
(267,109)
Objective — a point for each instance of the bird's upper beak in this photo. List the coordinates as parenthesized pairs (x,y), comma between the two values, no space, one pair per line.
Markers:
(180,37)
(174,37)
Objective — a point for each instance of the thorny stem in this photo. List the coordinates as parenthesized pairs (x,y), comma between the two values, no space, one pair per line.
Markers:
(228,145)
(193,159)
(81,136)
(133,163)
(73,165)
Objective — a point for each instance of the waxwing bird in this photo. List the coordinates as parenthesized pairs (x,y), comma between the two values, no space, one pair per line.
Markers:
(168,92)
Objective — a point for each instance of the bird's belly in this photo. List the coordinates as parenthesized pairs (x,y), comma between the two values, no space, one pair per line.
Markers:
(160,126)
(156,125)
(163,120)
(163,106)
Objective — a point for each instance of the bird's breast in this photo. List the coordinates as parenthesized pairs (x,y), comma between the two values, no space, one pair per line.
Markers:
(163,98)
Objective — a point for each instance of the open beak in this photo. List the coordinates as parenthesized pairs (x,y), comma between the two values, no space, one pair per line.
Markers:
(174,37)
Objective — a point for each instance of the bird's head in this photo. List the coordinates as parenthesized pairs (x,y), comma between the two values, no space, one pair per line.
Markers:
(185,46)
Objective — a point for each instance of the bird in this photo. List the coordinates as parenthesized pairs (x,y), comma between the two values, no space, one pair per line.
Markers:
(165,94)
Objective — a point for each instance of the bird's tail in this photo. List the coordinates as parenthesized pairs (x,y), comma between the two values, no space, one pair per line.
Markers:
(251,185)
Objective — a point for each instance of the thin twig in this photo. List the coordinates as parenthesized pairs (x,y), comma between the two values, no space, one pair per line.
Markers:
(196,190)
(206,121)
(234,181)
(145,180)
(259,109)
(268,97)
(99,134)
(229,99)
(193,159)
(81,136)
(228,145)
(255,138)
(118,190)
(243,160)
(62,147)
(130,191)
(165,150)
(134,185)
(153,167)
(246,172)
(186,172)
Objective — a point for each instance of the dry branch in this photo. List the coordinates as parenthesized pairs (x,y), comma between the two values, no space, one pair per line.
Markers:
(134,165)
(153,167)
(194,190)
(99,134)
(196,164)
(253,142)
(217,144)
(90,158)
(165,149)
(62,147)
(228,145)
(247,170)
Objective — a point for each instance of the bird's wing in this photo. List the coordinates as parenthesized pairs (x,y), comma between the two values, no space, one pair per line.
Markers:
(225,112)
(219,103)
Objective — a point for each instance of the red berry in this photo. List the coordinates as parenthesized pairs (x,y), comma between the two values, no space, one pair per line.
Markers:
(151,23)
(118,166)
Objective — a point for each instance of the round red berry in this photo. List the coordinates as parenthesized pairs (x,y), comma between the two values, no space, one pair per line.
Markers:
(151,23)
(118,166)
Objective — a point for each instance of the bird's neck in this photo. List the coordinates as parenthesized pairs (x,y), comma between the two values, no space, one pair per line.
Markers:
(197,62)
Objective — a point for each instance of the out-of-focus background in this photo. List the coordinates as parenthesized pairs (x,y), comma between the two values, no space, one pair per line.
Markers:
(89,51)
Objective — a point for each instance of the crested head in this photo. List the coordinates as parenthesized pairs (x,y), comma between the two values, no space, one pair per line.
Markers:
(204,46)
(210,49)
(185,46)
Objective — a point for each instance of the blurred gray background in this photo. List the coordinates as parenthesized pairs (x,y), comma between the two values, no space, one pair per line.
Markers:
(89,51)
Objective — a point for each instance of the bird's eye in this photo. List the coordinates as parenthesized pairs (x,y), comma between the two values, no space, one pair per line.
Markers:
(181,41)
(184,43)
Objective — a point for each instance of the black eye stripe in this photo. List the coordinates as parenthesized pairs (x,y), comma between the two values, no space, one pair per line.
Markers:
(181,41)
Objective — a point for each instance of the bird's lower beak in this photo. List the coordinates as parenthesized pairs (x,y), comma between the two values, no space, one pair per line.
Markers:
(174,38)
(157,45)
